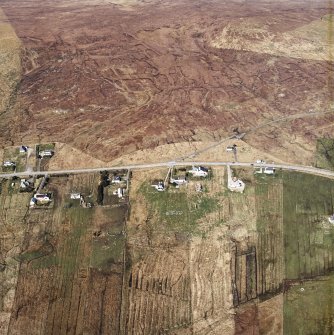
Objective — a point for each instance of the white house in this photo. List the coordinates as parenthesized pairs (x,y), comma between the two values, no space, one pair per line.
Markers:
(9,163)
(178,180)
(234,184)
(120,192)
(46,153)
(75,196)
(199,171)
(232,148)
(42,197)
(266,170)
(116,179)
(269,170)
(24,184)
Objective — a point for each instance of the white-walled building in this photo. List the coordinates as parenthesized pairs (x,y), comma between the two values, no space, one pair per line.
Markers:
(199,171)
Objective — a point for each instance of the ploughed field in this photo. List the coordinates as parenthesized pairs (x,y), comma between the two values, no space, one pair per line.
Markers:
(110,77)
(173,262)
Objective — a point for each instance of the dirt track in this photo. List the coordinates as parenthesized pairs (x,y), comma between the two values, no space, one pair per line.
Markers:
(122,78)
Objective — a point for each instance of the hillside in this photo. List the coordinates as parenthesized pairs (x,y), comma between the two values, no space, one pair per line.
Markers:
(112,77)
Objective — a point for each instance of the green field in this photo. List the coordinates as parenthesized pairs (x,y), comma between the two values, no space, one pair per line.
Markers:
(309,308)
(108,248)
(177,211)
(269,225)
(66,253)
(308,236)
(13,154)
(309,253)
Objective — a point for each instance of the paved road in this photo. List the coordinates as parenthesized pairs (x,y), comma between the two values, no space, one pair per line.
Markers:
(300,168)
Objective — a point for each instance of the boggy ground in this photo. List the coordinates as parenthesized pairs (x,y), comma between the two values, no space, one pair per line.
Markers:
(112,77)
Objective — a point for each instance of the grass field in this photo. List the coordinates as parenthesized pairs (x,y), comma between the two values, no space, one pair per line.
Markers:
(308,236)
(108,247)
(13,154)
(65,254)
(71,265)
(177,210)
(269,225)
(309,308)
(309,253)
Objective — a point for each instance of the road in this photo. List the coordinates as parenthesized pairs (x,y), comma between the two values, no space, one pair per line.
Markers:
(179,161)
(254,129)
(299,168)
